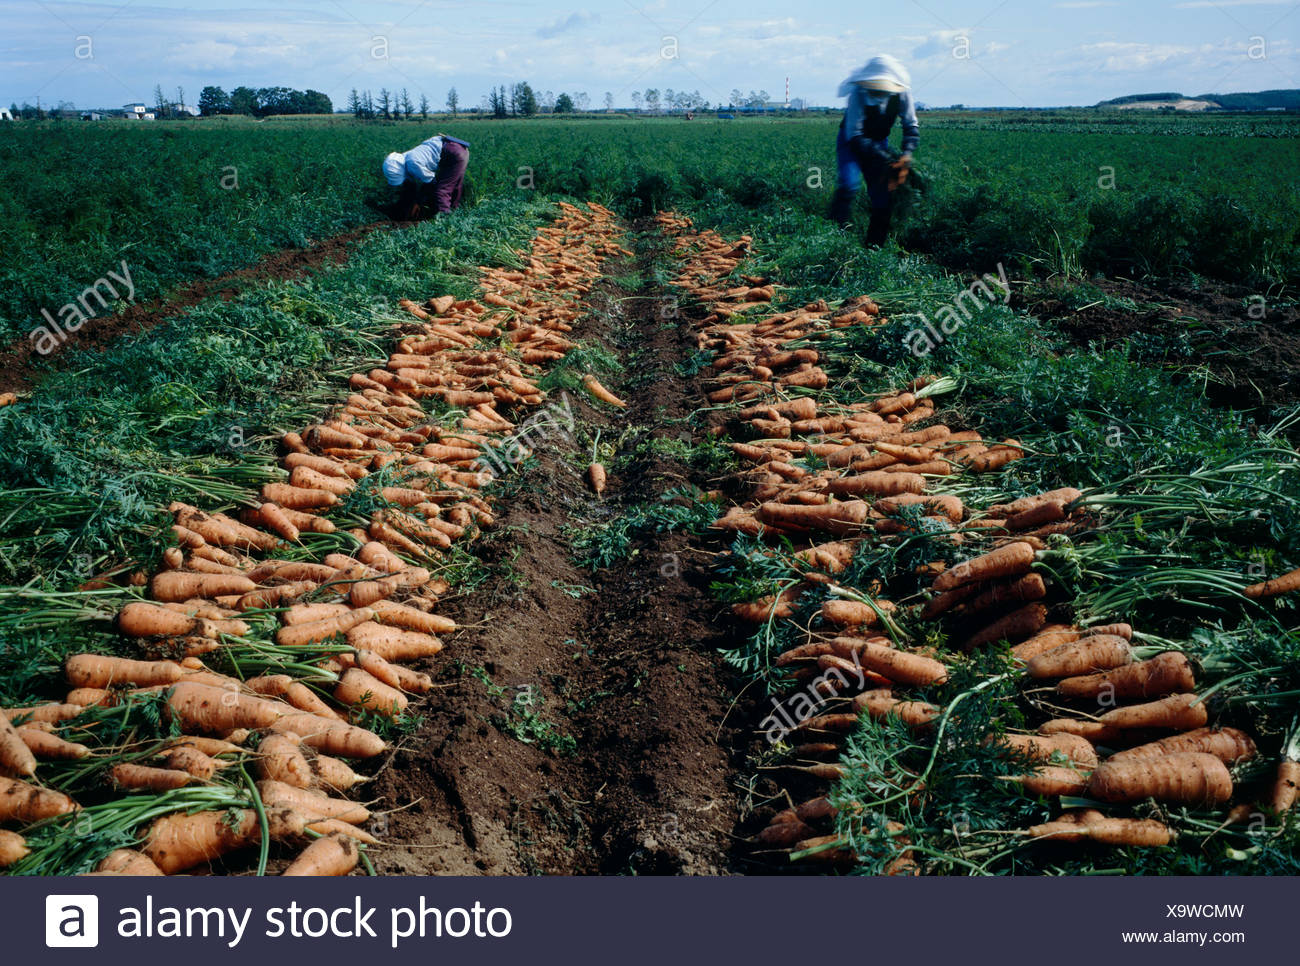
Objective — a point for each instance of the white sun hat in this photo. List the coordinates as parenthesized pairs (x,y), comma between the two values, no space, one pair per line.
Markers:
(395,168)
(882,73)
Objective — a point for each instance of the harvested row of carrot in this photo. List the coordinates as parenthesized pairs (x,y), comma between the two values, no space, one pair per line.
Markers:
(358,618)
(881,459)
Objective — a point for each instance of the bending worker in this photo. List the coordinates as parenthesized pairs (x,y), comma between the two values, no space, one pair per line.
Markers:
(431,173)
(879,93)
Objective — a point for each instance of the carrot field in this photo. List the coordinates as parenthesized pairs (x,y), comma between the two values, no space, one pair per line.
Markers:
(635,519)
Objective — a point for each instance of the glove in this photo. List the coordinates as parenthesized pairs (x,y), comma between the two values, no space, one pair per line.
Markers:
(897,174)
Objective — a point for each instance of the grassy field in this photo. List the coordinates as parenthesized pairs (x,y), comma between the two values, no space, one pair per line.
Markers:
(184,200)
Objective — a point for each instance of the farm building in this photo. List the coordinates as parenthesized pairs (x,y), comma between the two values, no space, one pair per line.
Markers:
(92,116)
(6,114)
(135,112)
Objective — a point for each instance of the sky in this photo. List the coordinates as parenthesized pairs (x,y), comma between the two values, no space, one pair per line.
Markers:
(992,52)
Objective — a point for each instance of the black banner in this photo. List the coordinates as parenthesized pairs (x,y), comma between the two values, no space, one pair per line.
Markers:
(633,921)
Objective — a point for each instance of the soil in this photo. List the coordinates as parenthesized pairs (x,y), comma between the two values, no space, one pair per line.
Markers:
(1251,349)
(622,664)
(19,374)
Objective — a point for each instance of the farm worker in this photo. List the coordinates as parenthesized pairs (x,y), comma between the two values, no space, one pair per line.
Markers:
(431,173)
(879,93)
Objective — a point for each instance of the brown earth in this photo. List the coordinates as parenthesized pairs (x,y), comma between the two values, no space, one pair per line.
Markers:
(621,665)
(1254,361)
(21,369)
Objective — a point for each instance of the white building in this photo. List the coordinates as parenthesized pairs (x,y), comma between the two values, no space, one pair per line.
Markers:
(134,112)
(5,114)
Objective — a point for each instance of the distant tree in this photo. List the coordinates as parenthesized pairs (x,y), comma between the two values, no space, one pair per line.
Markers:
(386,103)
(354,103)
(180,102)
(407,107)
(564,104)
(737,98)
(159,102)
(453,101)
(609,102)
(757,99)
(243,100)
(652,99)
(669,99)
(214,100)
(546,102)
(368,106)
(523,100)
(581,101)
(424,106)
(636,101)
(314,102)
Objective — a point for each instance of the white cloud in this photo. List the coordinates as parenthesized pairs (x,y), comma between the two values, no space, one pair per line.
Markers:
(573,21)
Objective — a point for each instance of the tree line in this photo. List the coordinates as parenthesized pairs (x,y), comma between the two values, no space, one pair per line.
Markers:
(263,101)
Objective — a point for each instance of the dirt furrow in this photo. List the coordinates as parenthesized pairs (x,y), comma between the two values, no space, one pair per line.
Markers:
(582,721)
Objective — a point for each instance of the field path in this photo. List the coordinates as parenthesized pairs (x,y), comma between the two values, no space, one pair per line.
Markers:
(622,661)
(19,362)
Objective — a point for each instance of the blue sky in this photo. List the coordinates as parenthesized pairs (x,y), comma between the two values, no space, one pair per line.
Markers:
(980,53)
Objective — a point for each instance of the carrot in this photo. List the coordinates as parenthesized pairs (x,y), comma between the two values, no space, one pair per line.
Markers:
(358,687)
(1010,560)
(24,803)
(128,862)
(1227,744)
(596,478)
(178,842)
(296,497)
(1188,778)
(1093,731)
(12,848)
(331,855)
(1023,622)
(52,712)
(333,826)
(394,675)
(272,517)
(189,759)
(1178,712)
(880,704)
(1099,652)
(399,615)
(141,619)
(593,386)
(179,585)
(853,613)
(837,518)
(209,746)
(15,756)
(298,635)
(49,747)
(278,596)
(335,774)
(1065,495)
(362,595)
(1043,747)
(144,778)
(1030,587)
(1091,825)
(310,613)
(331,737)
(1050,781)
(325,466)
(280,758)
(900,666)
(1163,674)
(96,671)
(311,804)
(1278,585)
(205,708)
(1285,786)
(392,644)
(375,554)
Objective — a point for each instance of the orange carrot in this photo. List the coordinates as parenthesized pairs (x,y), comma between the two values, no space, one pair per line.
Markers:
(144,778)
(593,386)
(311,804)
(358,687)
(331,855)
(392,644)
(1023,622)
(24,803)
(400,615)
(1163,674)
(332,773)
(178,585)
(1278,585)
(1188,778)
(189,759)
(272,517)
(49,747)
(178,842)
(15,756)
(1043,747)
(900,666)
(214,710)
(596,478)
(299,635)
(1092,826)
(1010,560)
(1178,712)
(331,737)
(280,758)
(127,862)
(1088,655)
(1050,781)
(97,671)
(12,848)
(1229,745)
(1285,786)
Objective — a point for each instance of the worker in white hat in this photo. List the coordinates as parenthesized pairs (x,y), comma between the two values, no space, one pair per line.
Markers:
(879,93)
(431,173)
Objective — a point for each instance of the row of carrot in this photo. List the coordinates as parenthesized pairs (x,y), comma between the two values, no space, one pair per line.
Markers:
(326,588)
(835,478)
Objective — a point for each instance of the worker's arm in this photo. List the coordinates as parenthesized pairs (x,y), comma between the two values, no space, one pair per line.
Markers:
(853,114)
(907,117)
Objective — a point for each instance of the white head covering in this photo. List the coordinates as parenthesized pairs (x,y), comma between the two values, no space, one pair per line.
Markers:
(883,73)
(394,168)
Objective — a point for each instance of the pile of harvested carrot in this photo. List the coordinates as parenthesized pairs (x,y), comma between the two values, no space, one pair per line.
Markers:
(886,460)
(350,623)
